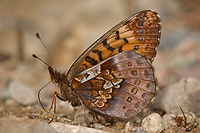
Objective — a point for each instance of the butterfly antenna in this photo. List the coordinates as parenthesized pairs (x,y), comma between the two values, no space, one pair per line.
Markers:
(38,36)
(35,56)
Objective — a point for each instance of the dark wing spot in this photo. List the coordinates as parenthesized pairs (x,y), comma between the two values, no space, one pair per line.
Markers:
(141,31)
(120,49)
(117,37)
(137,82)
(136,47)
(99,53)
(125,40)
(150,85)
(137,105)
(134,90)
(107,45)
(129,99)
(139,62)
(117,32)
(152,31)
(91,60)
(147,73)
(129,64)
(133,72)
(140,39)
(140,24)
(144,95)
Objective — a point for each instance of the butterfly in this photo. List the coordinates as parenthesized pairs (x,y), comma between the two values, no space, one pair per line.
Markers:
(114,77)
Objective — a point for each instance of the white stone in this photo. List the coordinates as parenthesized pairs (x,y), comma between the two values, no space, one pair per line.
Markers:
(153,123)
(65,128)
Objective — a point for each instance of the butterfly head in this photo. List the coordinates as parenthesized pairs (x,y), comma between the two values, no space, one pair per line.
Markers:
(57,77)
(61,81)
(54,75)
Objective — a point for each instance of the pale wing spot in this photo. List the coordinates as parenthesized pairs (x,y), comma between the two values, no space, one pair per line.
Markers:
(109,77)
(105,94)
(100,78)
(99,103)
(102,98)
(108,90)
(77,79)
(107,84)
(90,74)
(116,81)
(94,93)
(92,104)
(116,86)
(107,72)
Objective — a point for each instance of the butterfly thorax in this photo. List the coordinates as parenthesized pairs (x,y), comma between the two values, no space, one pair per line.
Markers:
(67,92)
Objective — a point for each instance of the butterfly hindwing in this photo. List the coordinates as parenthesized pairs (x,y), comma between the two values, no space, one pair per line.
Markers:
(123,85)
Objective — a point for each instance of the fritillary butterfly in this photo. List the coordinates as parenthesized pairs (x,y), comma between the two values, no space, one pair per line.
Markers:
(114,76)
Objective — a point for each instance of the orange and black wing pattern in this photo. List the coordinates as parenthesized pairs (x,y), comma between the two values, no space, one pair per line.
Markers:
(140,33)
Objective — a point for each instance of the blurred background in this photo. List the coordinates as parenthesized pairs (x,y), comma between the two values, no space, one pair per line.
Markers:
(68,27)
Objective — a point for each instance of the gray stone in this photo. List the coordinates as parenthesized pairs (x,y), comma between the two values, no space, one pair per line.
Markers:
(66,128)
(131,128)
(184,94)
(138,130)
(20,125)
(22,93)
(128,127)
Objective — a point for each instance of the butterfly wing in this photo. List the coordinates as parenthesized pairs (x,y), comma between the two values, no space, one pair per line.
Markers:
(121,86)
(114,75)
(139,32)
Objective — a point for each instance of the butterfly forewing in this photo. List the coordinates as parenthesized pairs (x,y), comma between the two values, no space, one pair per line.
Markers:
(140,33)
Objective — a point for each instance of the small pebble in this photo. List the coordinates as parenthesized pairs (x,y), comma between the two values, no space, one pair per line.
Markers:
(138,130)
(120,125)
(168,120)
(128,127)
(22,93)
(153,123)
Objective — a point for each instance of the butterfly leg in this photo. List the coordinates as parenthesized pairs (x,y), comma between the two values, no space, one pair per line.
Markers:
(99,120)
(53,104)
(108,121)
(86,117)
